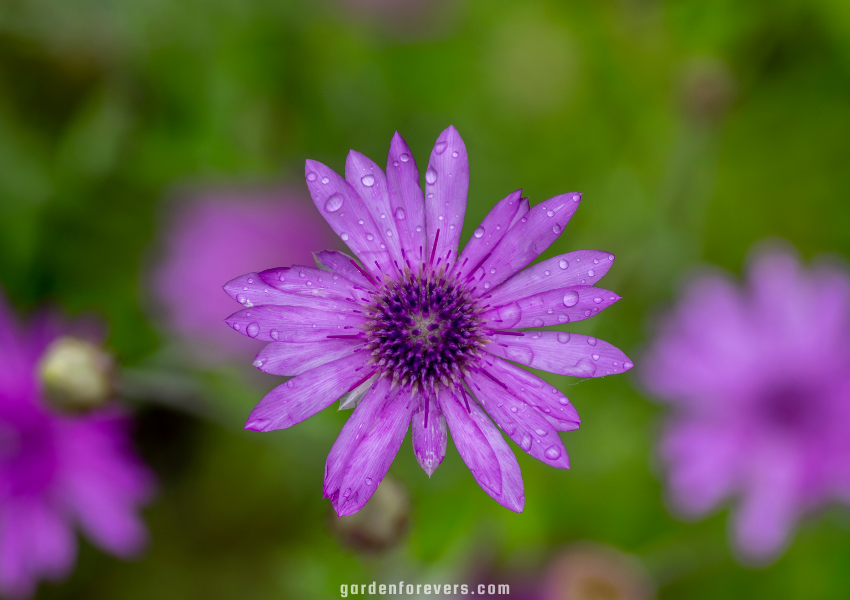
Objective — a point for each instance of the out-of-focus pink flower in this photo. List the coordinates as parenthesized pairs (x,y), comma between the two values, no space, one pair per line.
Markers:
(57,470)
(759,379)
(217,234)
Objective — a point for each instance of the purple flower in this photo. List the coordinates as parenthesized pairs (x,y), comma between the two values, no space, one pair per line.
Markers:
(759,379)
(416,332)
(216,235)
(57,471)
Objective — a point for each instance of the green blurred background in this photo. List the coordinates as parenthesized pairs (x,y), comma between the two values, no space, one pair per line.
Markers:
(694,128)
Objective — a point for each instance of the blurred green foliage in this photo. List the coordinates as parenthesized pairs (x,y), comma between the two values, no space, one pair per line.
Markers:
(694,128)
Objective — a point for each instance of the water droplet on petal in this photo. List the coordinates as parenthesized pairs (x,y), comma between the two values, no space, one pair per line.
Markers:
(344,236)
(418,228)
(598,300)
(563,337)
(311,176)
(610,257)
(325,180)
(556,229)
(563,264)
(253,329)
(553,453)
(368,481)
(404,157)
(538,322)
(563,318)
(440,147)
(236,326)
(570,299)
(595,357)
(522,354)
(479,232)
(399,214)
(513,409)
(274,334)
(627,365)
(389,233)
(368,180)
(510,315)
(540,432)
(550,213)
(454,154)
(590,273)
(583,368)
(241,298)
(563,400)
(430,176)
(525,442)
(591,341)
(334,203)
(258,363)
(370,237)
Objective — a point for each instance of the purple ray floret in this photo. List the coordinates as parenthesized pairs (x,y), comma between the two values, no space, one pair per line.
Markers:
(413,331)
(759,380)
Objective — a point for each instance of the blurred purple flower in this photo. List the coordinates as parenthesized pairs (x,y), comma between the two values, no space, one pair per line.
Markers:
(218,234)
(760,382)
(57,470)
(412,328)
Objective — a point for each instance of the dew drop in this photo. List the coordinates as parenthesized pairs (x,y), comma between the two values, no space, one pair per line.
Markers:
(404,157)
(590,273)
(550,213)
(334,203)
(274,334)
(241,298)
(430,176)
(290,384)
(563,263)
(258,363)
(399,214)
(236,326)
(368,180)
(553,453)
(368,481)
(563,337)
(610,257)
(538,322)
(598,300)
(389,233)
(525,442)
(545,272)
(627,365)
(370,237)
(486,285)
(521,354)
(479,232)
(454,154)
(418,228)
(311,176)
(556,229)
(344,236)
(395,163)
(591,341)
(587,313)
(583,368)
(563,318)
(595,357)
(302,274)
(540,432)
(510,315)
(325,180)
(253,329)
(513,409)
(570,299)
(492,271)
(563,400)
(440,147)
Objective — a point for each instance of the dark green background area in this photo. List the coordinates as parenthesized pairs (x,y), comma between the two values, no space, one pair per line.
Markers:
(694,128)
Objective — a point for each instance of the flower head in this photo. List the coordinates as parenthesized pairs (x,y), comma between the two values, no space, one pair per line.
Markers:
(416,332)
(759,379)
(58,469)
(214,235)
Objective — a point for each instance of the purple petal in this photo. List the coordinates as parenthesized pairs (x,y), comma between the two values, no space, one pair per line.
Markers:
(532,390)
(369,181)
(561,352)
(554,307)
(347,214)
(526,240)
(467,429)
(446,186)
(313,283)
(251,290)
(303,396)
(523,424)
(491,231)
(474,448)
(373,456)
(352,433)
(341,264)
(583,267)
(429,435)
(293,323)
(524,207)
(407,201)
(290,359)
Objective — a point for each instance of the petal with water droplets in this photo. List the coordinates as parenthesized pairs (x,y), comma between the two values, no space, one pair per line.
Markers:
(290,359)
(485,237)
(446,187)
(429,435)
(556,307)
(407,202)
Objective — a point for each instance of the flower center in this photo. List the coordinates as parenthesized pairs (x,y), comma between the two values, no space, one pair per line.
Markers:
(425,329)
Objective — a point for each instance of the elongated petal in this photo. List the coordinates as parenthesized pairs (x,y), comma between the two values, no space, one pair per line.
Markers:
(352,433)
(369,181)
(561,352)
(446,187)
(529,388)
(522,211)
(373,456)
(303,396)
(523,424)
(347,214)
(407,202)
(314,283)
(251,290)
(290,359)
(491,231)
(554,307)
(583,267)
(293,323)
(474,448)
(525,241)
(341,264)
(429,434)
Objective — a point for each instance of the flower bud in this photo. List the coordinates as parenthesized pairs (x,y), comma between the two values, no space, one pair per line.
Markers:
(592,572)
(380,524)
(75,375)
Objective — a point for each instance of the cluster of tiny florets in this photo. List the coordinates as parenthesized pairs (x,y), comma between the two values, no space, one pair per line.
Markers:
(424,330)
